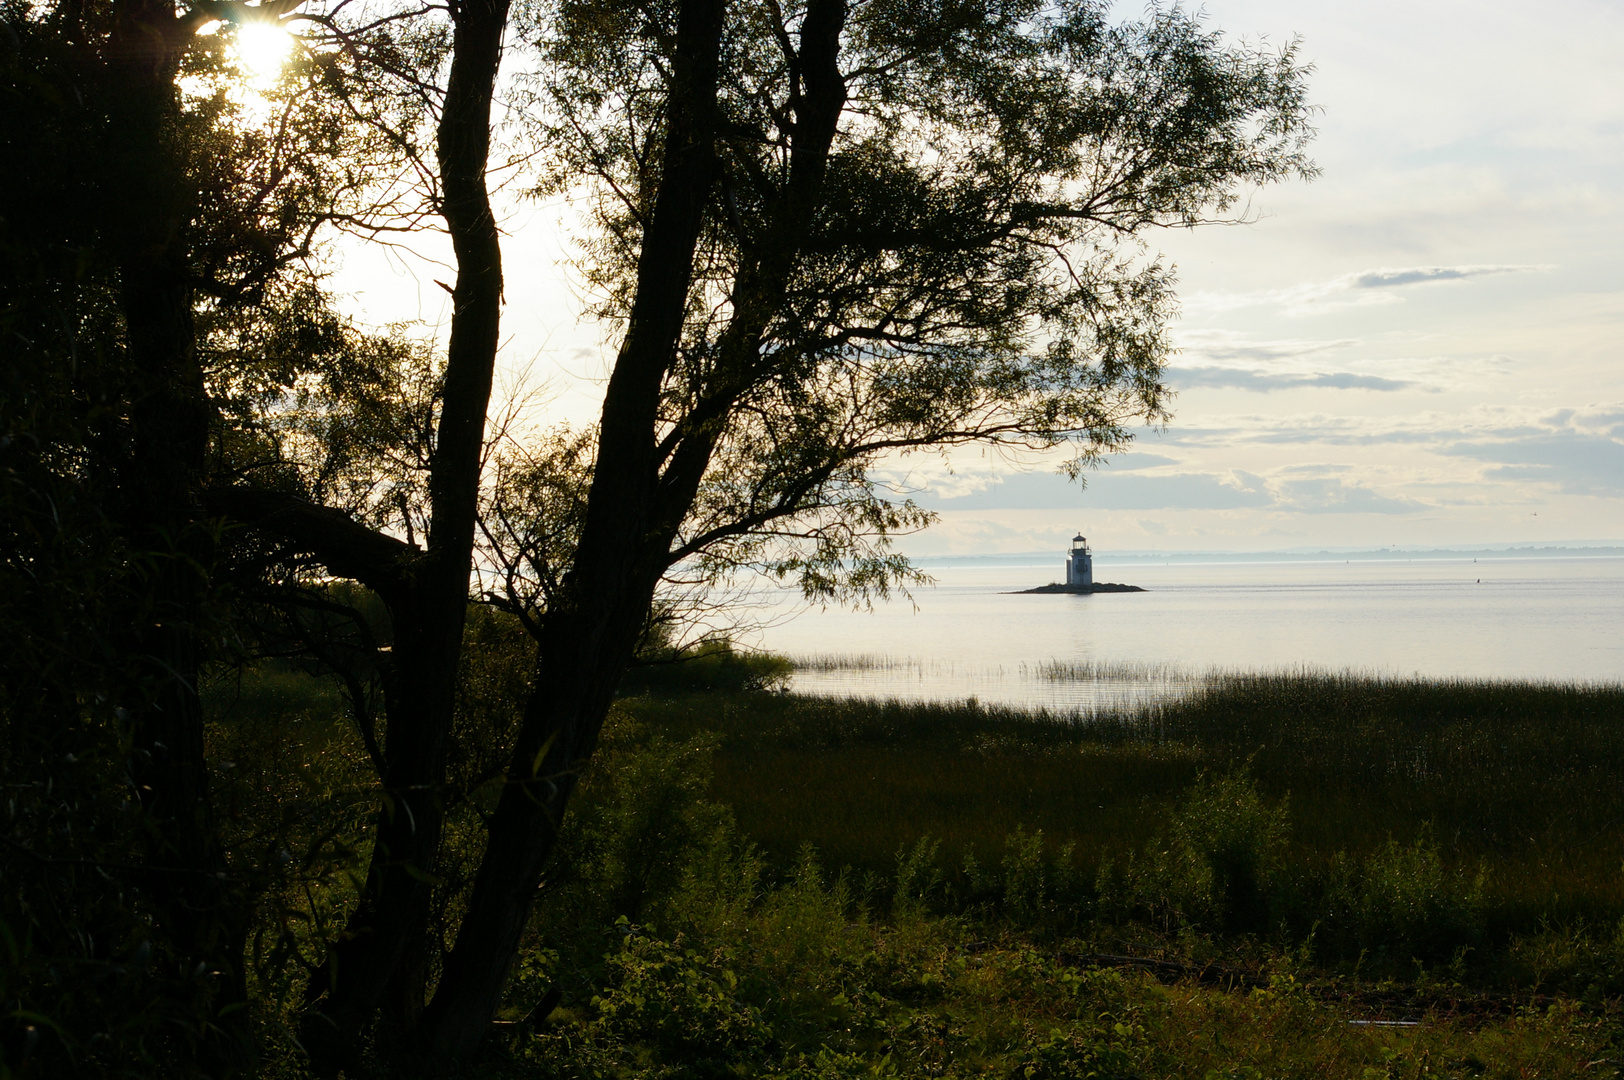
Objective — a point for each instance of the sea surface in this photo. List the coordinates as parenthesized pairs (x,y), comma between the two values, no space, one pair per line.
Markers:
(1546,619)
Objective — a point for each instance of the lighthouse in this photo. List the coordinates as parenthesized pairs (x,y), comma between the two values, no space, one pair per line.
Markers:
(1080,563)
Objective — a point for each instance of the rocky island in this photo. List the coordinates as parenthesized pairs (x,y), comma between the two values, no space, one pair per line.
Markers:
(1094,587)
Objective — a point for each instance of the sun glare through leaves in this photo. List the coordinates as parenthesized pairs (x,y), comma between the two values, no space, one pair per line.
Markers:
(261,49)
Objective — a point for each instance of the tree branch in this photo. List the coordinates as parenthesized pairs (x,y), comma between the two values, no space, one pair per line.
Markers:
(346,547)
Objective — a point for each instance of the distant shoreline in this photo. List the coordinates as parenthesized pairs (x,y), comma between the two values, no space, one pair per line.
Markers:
(1320,555)
(1078,590)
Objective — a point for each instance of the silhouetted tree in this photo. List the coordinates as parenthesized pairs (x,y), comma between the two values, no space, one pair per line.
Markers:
(834,232)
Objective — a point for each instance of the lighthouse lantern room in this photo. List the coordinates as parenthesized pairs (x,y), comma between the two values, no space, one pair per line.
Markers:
(1080,563)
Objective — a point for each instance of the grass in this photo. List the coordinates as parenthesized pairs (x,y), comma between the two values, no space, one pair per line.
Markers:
(1226,886)
(1048,671)
(1419,811)
(927,1000)
(1525,780)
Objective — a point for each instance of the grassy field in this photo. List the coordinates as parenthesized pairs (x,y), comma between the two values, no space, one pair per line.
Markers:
(1275,877)
(1524,781)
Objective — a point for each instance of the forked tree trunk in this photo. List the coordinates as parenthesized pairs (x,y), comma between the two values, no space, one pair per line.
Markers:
(429,608)
(588,636)
(635,509)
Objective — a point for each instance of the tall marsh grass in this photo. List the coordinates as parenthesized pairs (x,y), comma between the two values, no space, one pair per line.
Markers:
(813,975)
(1525,780)
(1049,670)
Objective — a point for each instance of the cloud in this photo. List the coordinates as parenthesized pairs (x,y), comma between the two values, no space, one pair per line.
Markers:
(1415,275)
(1129,462)
(1266,381)
(1577,462)
(1108,491)
(1302,489)
(1331,495)
(1577,451)
(1392,466)
(1359,288)
(973,482)
(1181,491)
(1227,345)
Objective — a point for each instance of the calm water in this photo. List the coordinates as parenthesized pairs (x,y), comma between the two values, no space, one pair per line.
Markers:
(1500,618)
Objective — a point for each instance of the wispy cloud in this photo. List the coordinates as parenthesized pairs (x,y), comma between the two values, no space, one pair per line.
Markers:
(1359,288)
(1319,464)
(1578,451)
(1576,462)
(1227,345)
(1267,381)
(1106,490)
(1314,489)
(1233,361)
(1332,495)
(1415,275)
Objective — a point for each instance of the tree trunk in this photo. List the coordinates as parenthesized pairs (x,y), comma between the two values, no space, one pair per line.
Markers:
(633,511)
(430,611)
(166,446)
(588,637)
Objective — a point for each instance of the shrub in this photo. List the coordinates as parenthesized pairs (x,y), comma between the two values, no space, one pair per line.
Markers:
(683,1006)
(1039,890)
(1108,1051)
(644,821)
(826,1064)
(1403,904)
(919,880)
(709,666)
(1025,877)
(1216,867)
(807,927)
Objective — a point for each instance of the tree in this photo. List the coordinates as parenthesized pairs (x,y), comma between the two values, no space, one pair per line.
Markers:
(425,590)
(164,229)
(136,211)
(830,234)
(834,232)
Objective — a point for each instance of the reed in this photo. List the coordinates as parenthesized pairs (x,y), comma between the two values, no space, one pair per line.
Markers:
(1112,671)
(1524,779)
(830,663)
(1050,671)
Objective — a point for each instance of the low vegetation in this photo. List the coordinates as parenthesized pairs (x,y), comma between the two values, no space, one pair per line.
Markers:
(1179,892)
(1277,876)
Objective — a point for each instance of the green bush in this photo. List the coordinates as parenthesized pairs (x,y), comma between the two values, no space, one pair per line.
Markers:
(1402,903)
(808,928)
(1040,890)
(919,880)
(642,823)
(1030,886)
(681,1006)
(710,666)
(1217,866)
(1109,1051)
(827,1064)
(1025,877)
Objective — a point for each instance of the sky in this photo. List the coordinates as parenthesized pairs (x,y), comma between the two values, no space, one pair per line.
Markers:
(1423,347)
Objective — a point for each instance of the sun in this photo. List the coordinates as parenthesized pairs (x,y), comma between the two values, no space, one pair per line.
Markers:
(262,48)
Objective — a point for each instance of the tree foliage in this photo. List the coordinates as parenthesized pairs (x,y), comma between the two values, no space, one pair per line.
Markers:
(924,231)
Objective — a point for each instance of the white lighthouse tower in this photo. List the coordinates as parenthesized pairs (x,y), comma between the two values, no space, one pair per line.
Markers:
(1080,563)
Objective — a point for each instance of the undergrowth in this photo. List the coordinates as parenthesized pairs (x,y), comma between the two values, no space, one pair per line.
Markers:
(1252,883)
(1201,953)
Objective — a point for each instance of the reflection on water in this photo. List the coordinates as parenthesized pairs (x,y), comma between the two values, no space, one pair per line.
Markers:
(1542,619)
